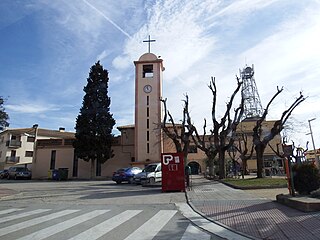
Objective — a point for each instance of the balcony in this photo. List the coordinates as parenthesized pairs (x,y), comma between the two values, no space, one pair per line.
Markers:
(12,159)
(13,143)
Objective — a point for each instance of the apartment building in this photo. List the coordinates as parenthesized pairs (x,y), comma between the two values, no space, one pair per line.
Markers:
(17,146)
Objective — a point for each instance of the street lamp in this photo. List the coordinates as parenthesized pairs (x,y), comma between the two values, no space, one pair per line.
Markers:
(34,157)
(314,147)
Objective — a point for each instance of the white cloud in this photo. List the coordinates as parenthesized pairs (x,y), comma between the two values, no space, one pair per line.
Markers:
(121,62)
(32,108)
(243,7)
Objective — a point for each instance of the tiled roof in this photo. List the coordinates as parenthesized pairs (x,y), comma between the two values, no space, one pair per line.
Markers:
(55,133)
(41,132)
(126,126)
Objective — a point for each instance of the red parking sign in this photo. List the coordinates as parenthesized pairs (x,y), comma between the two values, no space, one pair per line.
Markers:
(172,172)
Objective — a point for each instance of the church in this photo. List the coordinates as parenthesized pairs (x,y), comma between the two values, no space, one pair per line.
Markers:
(137,145)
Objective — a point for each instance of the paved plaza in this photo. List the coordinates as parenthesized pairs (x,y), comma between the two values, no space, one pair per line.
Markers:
(251,212)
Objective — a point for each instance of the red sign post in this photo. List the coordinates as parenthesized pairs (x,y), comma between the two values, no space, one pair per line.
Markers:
(288,152)
(172,172)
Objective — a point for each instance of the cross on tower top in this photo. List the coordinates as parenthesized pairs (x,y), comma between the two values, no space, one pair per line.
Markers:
(149,41)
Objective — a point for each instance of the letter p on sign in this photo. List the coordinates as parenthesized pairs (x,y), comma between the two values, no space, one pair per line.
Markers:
(166,158)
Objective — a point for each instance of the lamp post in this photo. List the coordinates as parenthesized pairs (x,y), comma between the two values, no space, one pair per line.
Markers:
(35,127)
(314,147)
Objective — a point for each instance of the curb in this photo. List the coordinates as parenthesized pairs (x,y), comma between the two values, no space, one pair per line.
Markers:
(216,222)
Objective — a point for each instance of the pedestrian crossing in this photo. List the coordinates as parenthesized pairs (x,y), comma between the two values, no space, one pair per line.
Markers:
(82,224)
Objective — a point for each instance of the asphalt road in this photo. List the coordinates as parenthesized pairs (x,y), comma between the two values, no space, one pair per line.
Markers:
(92,210)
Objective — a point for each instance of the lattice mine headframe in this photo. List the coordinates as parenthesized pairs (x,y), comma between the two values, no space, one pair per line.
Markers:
(252,103)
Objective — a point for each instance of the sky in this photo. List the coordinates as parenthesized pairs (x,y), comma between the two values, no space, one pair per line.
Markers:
(47,48)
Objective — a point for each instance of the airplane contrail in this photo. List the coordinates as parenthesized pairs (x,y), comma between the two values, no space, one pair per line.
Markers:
(108,19)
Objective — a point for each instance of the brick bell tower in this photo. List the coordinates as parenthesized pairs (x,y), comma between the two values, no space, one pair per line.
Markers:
(148,111)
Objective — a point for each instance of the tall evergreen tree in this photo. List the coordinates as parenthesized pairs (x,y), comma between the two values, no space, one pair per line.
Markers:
(3,116)
(95,122)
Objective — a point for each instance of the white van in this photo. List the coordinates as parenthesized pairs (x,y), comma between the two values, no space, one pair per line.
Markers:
(152,174)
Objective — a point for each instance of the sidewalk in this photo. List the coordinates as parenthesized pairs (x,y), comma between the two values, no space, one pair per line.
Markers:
(248,213)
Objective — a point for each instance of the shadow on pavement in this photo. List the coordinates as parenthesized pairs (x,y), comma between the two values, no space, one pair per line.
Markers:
(119,194)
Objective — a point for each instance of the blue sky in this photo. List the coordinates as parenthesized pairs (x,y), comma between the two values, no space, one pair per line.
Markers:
(47,48)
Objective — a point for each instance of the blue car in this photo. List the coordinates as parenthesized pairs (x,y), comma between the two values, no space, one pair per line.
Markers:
(125,174)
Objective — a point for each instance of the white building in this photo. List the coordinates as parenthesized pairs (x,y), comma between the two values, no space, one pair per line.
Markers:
(17,145)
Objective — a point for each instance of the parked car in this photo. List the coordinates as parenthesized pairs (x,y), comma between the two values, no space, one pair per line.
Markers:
(3,173)
(152,174)
(137,177)
(19,172)
(125,174)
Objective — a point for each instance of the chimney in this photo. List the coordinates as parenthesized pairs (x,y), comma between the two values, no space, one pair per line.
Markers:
(61,129)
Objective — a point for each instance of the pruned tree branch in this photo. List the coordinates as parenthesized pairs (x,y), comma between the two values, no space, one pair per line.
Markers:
(261,140)
(179,135)
(222,133)
(172,135)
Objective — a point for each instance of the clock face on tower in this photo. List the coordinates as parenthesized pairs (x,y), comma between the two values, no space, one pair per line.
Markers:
(147,89)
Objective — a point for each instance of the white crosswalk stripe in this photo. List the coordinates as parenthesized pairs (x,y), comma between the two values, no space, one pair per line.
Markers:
(9,210)
(49,231)
(33,222)
(152,226)
(21,215)
(42,224)
(106,226)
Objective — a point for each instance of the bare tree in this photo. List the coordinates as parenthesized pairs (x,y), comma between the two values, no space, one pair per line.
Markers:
(177,133)
(222,134)
(241,145)
(205,143)
(261,139)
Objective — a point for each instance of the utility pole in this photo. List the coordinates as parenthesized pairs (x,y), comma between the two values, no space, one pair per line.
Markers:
(314,147)
(34,157)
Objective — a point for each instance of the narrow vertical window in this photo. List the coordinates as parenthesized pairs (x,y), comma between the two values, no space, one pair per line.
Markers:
(147,123)
(147,100)
(53,159)
(147,135)
(148,150)
(147,111)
